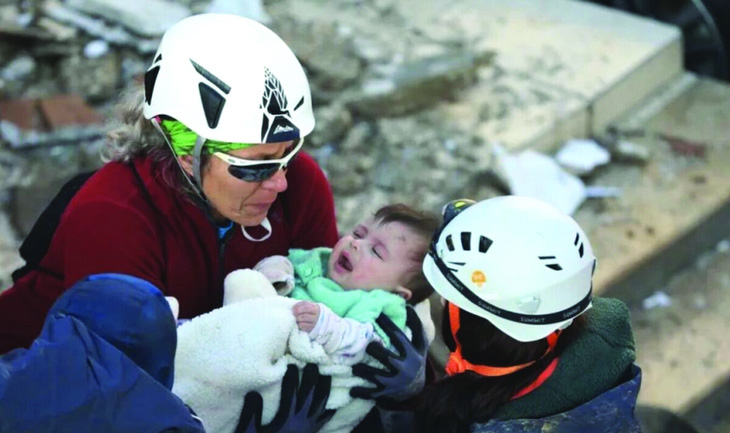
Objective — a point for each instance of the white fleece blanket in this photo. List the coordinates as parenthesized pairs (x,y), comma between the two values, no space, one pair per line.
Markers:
(247,346)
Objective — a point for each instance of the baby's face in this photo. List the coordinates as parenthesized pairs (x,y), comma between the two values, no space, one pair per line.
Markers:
(375,256)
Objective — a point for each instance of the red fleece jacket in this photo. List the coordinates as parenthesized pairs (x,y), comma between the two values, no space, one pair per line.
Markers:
(114,224)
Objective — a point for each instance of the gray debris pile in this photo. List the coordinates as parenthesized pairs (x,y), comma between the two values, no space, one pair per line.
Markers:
(409,101)
(377,136)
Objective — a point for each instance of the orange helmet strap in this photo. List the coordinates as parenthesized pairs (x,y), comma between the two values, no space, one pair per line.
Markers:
(457,363)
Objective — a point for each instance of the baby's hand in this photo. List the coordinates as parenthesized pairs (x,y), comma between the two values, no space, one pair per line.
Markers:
(306,313)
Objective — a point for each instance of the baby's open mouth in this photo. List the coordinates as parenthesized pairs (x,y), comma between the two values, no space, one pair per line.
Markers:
(344,263)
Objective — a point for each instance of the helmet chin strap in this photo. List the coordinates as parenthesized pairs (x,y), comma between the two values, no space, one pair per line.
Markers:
(197,150)
(265,224)
(196,162)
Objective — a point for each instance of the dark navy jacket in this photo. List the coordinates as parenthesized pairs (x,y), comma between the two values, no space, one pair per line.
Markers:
(610,412)
(103,363)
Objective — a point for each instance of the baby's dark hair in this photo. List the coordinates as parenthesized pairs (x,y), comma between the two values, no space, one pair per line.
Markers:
(424,224)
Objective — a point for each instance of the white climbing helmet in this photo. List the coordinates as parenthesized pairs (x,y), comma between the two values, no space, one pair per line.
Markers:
(515,261)
(229,78)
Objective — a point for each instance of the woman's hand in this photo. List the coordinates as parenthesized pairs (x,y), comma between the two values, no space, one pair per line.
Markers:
(404,375)
(301,408)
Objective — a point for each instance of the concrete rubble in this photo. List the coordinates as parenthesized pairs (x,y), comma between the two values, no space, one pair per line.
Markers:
(411,87)
(410,101)
(147,18)
(46,141)
(369,136)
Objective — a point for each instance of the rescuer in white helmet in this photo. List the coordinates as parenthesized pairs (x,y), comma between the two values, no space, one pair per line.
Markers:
(530,345)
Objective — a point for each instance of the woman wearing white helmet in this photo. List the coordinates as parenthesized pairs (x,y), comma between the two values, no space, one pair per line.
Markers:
(530,346)
(205,176)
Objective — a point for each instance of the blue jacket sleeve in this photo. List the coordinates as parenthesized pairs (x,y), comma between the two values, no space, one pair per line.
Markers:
(71,380)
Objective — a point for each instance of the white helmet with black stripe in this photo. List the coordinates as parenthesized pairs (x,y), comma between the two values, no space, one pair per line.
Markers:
(229,78)
(516,261)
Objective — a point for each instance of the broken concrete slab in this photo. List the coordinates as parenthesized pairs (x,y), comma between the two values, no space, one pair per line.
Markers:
(683,348)
(518,113)
(669,205)
(97,27)
(417,85)
(620,58)
(148,18)
(540,91)
(663,65)
(673,209)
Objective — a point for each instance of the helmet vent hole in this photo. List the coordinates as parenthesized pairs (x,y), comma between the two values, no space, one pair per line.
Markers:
(212,104)
(150,77)
(299,104)
(158,58)
(553,266)
(575,242)
(449,243)
(484,244)
(466,241)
